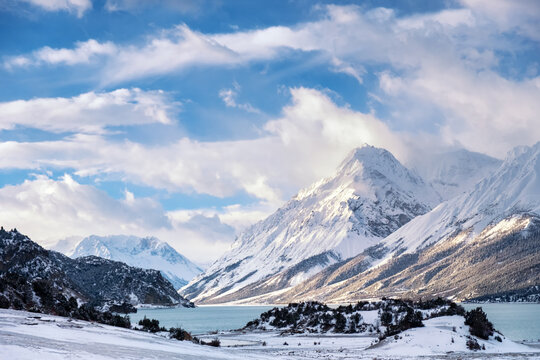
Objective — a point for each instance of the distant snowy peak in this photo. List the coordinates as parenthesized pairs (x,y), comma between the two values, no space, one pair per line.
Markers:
(456,172)
(147,253)
(514,187)
(369,196)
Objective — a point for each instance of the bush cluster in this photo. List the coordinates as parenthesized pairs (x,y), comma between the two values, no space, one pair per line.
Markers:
(151,325)
(478,323)
(396,315)
(180,334)
(472,344)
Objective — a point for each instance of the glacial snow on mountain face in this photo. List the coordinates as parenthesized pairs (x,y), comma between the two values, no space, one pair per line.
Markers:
(146,253)
(484,242)
(456,172)
(370,196)
(514,188)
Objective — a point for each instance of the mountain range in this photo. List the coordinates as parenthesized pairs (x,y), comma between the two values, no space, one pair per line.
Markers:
(146,253)
(27,269)
(376,229)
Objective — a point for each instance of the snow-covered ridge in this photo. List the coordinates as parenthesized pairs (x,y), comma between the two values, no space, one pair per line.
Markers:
(456,172)
(146,253)
(369,196)
(513,189)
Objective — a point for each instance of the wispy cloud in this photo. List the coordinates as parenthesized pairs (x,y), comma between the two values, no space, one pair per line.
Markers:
(89,112)
(34,206)
(306,143)
(82,53)
(229,97)
(521,16)
(79,7)
(181,6)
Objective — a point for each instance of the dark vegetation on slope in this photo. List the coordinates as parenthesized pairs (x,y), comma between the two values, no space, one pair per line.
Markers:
(393,317)
(529,294)
(98,282)
(152,326)
(41,296)
(89,288)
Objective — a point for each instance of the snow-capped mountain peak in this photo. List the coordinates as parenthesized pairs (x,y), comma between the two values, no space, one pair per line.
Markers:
(147,253)
(369,196)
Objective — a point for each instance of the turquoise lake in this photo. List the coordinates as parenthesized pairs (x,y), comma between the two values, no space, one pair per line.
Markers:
(517,321)
(202,319)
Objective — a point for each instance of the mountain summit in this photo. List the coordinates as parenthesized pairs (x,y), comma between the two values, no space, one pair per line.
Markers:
(370,196)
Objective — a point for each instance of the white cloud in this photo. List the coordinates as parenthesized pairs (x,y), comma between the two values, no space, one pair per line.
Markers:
(74,6)
(347,68)
(521,16)
(306,143)
(229,98)
(34,207)
(347,36)
(181,6)
(482,111)
(83,53)
(181,47)
(171,50)
(89,112)
(440,75)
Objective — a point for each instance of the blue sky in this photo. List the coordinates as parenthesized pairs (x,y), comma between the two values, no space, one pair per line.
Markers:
(190,120)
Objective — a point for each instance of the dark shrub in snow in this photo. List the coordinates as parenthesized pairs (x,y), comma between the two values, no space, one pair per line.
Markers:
(472,344)
(180,334)
(151,325)
(478,323)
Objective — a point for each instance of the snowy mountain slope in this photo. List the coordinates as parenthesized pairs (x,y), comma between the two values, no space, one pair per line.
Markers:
(482,242)
(455,172)
(514,188)
(146,253)
(370,196)
(490,263)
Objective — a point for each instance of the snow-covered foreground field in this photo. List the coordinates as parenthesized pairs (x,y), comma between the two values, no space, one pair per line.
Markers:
(24,336)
